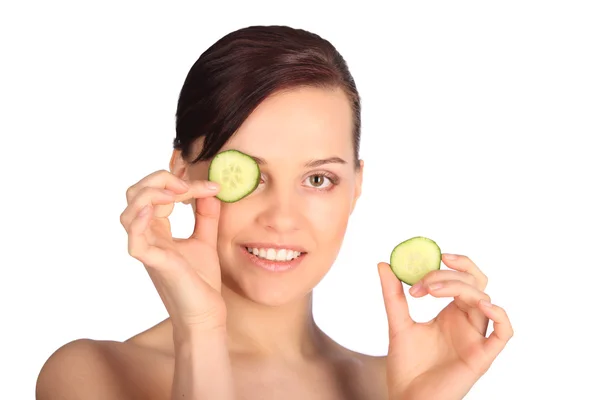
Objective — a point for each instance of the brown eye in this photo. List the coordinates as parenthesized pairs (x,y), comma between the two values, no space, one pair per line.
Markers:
(317,180)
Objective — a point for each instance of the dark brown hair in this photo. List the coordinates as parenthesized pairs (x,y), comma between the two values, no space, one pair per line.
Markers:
(233,76)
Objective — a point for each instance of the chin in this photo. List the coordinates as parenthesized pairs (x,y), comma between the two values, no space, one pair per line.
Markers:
(274,297)
(267,292)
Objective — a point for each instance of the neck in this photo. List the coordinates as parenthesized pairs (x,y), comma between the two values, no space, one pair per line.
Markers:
(287,331)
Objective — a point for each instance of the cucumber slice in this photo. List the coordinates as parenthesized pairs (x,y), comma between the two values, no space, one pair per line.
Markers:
(237,174)
(412,259)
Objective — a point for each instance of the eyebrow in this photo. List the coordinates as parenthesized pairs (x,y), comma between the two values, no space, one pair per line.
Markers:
(330,160)
(310,164)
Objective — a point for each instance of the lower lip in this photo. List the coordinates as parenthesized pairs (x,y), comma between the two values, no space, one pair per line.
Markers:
(273,266)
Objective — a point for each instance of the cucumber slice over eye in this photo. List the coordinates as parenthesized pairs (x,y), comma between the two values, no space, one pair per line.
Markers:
(237,174)
(414,258)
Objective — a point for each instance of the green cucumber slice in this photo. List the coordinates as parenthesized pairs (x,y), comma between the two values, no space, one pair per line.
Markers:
(237,174)
(414,258)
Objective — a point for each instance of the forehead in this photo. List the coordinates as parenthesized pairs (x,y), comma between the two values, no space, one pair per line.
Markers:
(304,122)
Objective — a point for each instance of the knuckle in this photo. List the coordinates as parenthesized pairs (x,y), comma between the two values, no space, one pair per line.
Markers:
(162,174)
(509,331)
(123,219)
(145,182)
(130,192)
(133,250)
(504,314)
(484,279)
(136,249)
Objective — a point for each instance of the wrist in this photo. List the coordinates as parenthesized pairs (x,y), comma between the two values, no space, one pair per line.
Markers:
(189,335)
(202,364)
(201,343)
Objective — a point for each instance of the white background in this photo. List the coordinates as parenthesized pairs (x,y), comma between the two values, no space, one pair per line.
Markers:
(481,127)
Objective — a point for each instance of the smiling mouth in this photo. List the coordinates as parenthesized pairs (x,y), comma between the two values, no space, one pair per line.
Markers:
(271,254)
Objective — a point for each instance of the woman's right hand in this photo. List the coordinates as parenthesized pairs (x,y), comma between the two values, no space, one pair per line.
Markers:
(185,272)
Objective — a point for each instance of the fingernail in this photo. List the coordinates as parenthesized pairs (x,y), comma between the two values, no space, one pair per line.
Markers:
(212,185)
(485,303)
(450,257)
(415,288)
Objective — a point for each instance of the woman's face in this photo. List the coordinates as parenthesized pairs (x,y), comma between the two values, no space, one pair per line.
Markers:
(309,185)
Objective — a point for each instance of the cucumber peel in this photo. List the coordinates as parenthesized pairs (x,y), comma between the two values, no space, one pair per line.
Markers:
(414,258)
(237,173)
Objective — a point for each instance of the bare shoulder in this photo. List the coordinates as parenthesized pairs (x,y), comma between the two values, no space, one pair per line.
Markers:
(93,369)
(79,370)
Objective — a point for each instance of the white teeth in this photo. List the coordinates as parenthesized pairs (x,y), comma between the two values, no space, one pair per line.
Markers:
(273,254)
(281,255)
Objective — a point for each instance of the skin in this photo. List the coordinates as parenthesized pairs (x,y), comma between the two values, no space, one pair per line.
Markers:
(274,348)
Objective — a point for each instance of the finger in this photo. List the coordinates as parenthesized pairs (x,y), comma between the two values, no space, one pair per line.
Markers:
(199,189)
(165,199)
(161,180)
(464,264)
(141,245)
(466,297)
(138,245)
(394,299)
(206,214)
(468,294)
(145,197)
(503,330)
(419,289)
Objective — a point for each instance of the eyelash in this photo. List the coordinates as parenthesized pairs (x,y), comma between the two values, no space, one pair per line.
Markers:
(333,179)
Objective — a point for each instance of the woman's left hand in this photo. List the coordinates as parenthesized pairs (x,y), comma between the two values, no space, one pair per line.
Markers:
(443,358)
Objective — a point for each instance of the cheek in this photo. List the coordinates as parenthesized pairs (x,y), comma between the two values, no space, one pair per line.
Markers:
(328,215)
(232,220)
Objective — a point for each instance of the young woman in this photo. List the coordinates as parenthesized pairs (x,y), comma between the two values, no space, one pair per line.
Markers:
(238,291)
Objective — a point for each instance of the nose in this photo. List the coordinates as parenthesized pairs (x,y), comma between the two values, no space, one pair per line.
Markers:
(281,211)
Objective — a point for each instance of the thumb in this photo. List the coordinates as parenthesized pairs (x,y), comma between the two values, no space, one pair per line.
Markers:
(206,215)
(396,306)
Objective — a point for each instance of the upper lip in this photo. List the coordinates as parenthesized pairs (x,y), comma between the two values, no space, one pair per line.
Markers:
(277,246)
